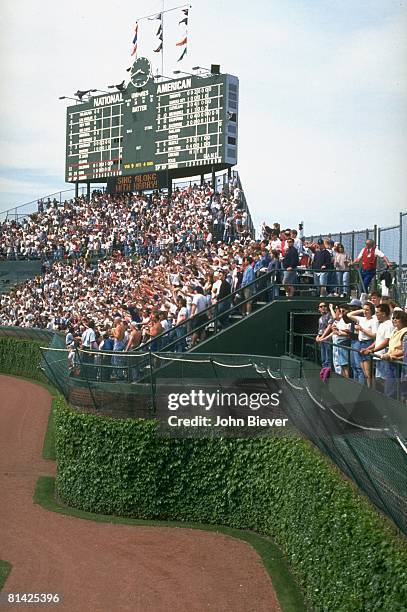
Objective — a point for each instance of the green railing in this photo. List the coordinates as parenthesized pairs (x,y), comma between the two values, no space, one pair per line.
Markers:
(124,384)
(394,386)
(136,365)
(228,310)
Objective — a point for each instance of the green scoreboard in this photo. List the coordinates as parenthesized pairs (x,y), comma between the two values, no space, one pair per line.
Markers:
(172,128)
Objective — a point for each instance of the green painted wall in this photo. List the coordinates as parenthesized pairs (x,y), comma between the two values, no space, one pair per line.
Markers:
(262,333)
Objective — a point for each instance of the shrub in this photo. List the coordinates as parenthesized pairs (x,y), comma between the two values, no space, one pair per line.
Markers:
(346,556)
(21,358)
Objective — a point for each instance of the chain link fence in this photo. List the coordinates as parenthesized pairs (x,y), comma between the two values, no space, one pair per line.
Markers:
(391,240)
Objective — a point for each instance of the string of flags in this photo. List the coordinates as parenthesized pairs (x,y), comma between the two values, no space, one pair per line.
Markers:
(159,35)
(184,41)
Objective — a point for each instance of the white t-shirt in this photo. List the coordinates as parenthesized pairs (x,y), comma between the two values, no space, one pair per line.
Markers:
(88,337)
(342,326)
(384,331)
(200,302)
(369,324)
(275,245)
(182,315)
(215,288)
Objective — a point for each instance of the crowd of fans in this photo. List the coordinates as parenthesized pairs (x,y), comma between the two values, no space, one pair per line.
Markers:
(129,224)
(365,341)
(151,252)
(118,271)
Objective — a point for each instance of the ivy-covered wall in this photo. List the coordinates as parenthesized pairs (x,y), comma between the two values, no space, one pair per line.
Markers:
(21,358)
(346,557)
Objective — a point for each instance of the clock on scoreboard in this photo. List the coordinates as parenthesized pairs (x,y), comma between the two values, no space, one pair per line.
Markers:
(181,127)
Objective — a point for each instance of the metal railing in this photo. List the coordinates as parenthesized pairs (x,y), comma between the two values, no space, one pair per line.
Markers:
(180,338)
(393,385)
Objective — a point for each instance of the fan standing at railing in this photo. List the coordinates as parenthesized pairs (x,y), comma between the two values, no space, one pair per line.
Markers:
(368,256)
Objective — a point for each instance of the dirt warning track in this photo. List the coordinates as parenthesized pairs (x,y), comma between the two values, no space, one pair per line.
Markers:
(96,566)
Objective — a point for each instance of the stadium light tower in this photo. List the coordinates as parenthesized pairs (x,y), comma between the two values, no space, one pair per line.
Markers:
(214,69)
(81,93)
(120,86)
(188,73)
(68,98)
(163,76)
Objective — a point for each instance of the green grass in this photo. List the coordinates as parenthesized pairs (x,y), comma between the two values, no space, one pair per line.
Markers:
(288,593)
(5,569)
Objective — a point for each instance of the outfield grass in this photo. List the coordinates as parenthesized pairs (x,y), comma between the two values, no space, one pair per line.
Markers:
(288,593)
(5,569)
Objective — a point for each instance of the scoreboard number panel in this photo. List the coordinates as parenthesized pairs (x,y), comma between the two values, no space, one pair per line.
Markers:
(153,127)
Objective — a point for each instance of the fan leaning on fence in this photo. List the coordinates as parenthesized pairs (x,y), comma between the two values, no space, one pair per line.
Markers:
(368,256)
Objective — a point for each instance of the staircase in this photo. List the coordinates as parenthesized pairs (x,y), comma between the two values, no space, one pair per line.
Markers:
(263,332)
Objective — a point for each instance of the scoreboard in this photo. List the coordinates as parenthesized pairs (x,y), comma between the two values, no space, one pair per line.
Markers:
(177,127)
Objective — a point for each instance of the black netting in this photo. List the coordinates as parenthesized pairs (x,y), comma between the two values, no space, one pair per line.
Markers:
(365,438)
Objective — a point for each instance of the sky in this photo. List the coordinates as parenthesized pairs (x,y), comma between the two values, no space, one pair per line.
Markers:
(323,96)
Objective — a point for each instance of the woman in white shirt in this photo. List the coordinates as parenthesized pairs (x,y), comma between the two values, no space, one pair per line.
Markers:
(366,327)
(340,340)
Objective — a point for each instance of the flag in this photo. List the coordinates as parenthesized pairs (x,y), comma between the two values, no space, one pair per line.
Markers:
(183,54)
(134,52)
(181,42)
(185,20)
(159,16)
(160,35)
(185,11)
(135,34)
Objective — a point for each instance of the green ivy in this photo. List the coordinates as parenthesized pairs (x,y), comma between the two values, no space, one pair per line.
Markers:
(21,358)
(346,556)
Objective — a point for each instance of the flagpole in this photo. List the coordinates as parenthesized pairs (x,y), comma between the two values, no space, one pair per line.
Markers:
(162,46)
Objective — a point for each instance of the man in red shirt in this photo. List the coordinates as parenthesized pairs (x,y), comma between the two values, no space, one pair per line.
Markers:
(368,256)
